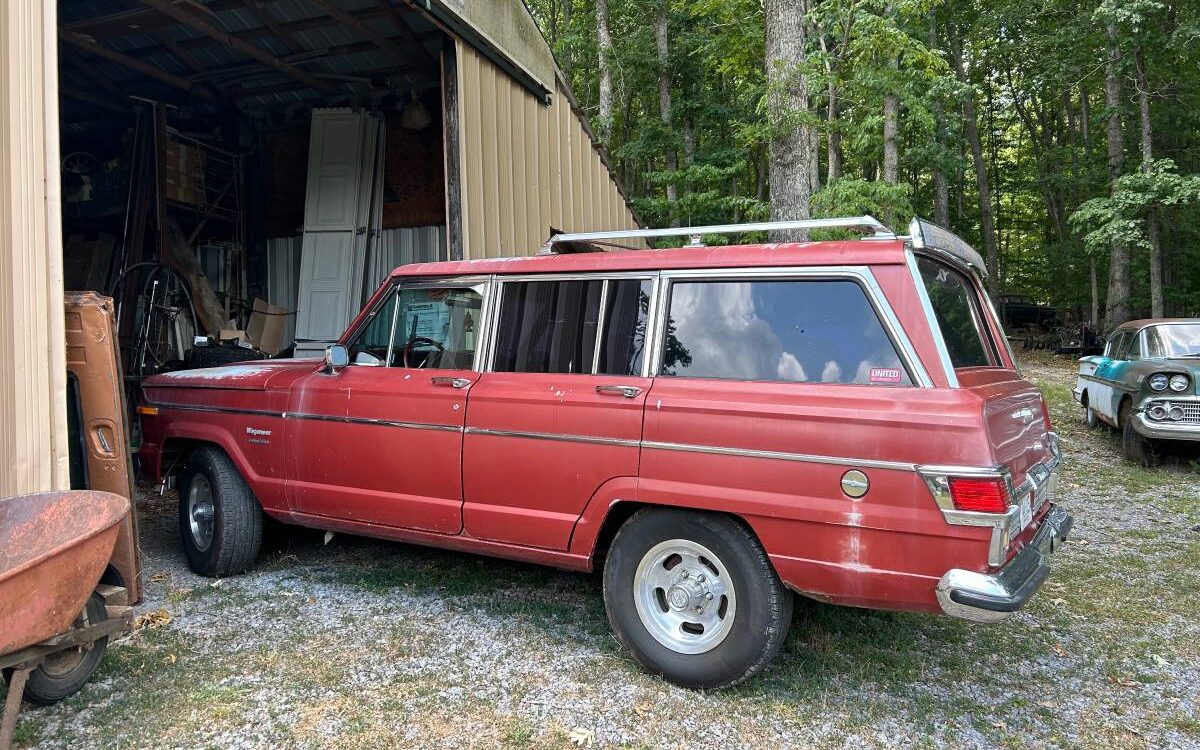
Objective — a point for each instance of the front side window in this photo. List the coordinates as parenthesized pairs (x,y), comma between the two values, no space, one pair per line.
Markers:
(423,328)
(956,308)
(778,330)
(1135,346)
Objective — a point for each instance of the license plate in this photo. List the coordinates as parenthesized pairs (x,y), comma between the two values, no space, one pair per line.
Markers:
(1026,511)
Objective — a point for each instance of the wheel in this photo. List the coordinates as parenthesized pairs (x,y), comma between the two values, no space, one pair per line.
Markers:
(64,673)
(694,598)
(1136,447)
(1089,417)
(220,520)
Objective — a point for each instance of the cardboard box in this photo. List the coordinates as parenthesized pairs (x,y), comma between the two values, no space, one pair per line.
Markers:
(266,326)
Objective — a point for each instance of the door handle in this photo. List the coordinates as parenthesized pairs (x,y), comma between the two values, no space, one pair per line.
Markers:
(448,382)
(628,391)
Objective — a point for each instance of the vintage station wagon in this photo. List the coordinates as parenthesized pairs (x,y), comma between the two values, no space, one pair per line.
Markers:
(1146,384)
(713,427)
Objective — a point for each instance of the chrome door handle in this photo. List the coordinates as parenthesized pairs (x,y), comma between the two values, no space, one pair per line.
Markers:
(448,382)
(628,391)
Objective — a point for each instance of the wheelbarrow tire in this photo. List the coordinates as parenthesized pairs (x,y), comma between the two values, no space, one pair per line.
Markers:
(64,674)
(222,539)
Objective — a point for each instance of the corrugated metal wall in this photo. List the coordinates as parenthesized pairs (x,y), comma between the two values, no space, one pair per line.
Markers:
(33,410)
(525,167)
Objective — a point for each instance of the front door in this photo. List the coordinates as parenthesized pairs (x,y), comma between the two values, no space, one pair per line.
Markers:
(380,441)
(557,419)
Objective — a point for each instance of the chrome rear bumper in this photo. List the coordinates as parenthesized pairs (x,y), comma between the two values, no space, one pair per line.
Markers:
(986,597)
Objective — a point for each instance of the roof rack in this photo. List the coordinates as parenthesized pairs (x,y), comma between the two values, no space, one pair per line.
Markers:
(927,235)
(582,242)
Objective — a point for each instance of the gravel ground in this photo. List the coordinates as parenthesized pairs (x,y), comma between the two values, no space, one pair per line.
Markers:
(357,643)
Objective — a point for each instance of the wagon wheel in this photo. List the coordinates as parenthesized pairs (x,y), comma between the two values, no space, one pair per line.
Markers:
(63,673)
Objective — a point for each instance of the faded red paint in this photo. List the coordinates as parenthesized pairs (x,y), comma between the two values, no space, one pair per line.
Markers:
(546,501)
(53,548)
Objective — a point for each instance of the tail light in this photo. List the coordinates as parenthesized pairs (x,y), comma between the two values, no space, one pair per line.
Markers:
(979,494)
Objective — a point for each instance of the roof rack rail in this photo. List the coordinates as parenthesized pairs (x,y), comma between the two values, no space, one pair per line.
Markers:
(927,235)
(582,241)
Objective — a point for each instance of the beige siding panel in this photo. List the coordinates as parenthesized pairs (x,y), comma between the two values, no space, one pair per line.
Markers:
(472,154)
(33,416)
(526,167)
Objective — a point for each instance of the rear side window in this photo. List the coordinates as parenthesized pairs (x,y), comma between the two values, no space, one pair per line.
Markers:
(1116,344)
(781,330)
(559,327)
(548,326)
(956,307)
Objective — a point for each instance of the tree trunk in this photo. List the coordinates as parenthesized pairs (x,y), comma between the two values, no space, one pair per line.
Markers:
(1156,280)
(787,103)
(971,126)
(891,157)
(664,100)
(834,144)
(604,54)
(1117,306)
(941,189)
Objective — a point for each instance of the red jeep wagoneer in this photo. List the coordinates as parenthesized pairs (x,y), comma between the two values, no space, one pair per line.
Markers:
(715,427)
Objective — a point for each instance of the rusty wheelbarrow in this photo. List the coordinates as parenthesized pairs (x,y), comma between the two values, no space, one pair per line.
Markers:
(54,619)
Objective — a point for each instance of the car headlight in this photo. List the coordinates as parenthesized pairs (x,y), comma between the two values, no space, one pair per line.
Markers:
(1158,382)
(1179,383)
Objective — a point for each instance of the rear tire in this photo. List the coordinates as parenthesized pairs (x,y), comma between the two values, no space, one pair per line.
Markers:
(220,520)
(1090,418)
(694,597)
(1136,447)
(65,673)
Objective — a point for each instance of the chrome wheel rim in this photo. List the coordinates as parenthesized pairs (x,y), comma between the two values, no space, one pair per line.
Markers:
(684,596)
(200,512)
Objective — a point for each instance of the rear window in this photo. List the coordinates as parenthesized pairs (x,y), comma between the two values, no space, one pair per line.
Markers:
(782,330)
(956,307)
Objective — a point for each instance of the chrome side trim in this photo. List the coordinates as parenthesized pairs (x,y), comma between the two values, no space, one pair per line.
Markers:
(221,409)
(931,319)
(590,439)
(862,463)
(371,421)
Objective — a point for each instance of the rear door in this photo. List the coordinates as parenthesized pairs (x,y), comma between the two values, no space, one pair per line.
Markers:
(380,442)
(557,417)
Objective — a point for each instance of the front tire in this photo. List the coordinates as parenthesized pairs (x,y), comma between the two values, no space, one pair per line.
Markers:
(220,520)
(1135,446)
(694,597)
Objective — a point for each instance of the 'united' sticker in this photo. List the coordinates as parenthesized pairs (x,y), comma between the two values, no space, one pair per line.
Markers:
(885,375)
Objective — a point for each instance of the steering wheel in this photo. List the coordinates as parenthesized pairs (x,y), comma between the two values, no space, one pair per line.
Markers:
(408,347)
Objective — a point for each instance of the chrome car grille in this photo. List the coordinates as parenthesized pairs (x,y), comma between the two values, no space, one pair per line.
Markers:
(1191,413)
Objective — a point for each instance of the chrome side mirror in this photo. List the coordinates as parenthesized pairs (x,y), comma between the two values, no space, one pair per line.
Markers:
(336,357)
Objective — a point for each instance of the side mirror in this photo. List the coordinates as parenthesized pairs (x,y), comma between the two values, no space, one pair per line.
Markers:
(336,357)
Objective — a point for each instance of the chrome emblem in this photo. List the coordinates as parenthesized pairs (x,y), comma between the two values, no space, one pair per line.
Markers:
(855,483)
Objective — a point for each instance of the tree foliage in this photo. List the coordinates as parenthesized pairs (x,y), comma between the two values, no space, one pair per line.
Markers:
(1035,73)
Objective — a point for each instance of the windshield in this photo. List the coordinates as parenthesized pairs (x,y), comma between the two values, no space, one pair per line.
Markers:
(1173,340)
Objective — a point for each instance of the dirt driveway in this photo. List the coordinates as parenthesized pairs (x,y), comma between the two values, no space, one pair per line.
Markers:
(358,643)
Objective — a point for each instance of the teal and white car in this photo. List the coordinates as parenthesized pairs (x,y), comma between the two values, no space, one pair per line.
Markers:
(1145,385)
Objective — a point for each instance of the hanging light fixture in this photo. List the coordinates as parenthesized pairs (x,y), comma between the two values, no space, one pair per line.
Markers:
(415,116)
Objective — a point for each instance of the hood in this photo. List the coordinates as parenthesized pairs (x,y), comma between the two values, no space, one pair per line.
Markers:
(256,375)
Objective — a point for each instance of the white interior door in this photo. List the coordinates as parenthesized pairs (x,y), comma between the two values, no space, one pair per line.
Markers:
(333,250)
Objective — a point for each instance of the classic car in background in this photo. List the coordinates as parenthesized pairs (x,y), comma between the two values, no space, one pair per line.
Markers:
(1019,311)
(1145,384)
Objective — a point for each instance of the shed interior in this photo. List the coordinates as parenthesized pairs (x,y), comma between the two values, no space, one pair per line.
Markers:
(186,130)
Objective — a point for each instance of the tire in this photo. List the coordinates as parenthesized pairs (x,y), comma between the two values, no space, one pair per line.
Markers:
(1136,447)
(220,520)
(65,673)
(1090,418)
(737,632)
